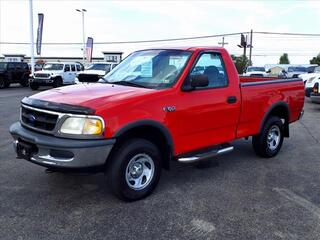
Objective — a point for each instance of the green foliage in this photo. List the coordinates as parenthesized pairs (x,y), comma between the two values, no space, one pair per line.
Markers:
(241,63)
(315,60)
(284,59)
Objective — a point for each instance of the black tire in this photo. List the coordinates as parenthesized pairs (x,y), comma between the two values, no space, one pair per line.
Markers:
(34,86)
(24,82)
(118,169)
(260,143)
(57,82)
(2,83)
(6,84)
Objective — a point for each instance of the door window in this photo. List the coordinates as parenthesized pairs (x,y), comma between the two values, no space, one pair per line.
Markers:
(78,68)
(73,68)
(211,65)
(67,68)
(11,66)
(19,66)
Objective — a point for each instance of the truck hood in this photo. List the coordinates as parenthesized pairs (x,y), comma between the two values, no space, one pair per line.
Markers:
(95,72)
(91,95)
(307,76)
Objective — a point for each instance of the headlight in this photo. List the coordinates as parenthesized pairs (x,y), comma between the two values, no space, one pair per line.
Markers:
(82,126)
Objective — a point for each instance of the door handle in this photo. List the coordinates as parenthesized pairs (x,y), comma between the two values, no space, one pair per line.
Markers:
(231,99)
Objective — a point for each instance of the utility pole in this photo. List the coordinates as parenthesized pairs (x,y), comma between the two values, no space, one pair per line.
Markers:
(31,37)
(250,47)
(83,33)
(223,42)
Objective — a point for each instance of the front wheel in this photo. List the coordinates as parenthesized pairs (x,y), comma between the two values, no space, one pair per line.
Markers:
(135,169)
(24,82)
(57,82)
(268,143)
(34,86)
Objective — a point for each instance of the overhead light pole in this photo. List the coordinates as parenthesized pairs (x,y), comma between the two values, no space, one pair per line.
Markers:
(82,11)
(31,37)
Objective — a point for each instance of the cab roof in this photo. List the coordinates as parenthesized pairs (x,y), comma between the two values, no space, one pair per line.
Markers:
(189,48)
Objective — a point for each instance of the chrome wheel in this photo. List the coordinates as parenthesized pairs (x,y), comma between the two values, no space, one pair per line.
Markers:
(140,171)
(274,136)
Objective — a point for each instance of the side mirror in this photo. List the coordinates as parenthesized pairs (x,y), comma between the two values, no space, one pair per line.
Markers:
(199,80)
(269,71)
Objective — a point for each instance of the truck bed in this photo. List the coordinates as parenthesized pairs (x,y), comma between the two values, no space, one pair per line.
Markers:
(259,94)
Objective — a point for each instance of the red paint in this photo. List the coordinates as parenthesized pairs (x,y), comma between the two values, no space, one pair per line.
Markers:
(202,118)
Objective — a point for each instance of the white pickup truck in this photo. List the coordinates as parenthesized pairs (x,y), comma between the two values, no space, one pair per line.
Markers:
(55,74)
(94,72)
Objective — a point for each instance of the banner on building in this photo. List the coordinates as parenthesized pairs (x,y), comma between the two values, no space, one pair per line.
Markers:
(89,49)
(39,32)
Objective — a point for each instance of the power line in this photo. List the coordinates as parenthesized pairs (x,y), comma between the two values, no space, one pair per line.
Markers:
(137,41)
(291,34)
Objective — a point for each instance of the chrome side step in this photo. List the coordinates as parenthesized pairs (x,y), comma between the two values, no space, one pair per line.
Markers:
(205,155)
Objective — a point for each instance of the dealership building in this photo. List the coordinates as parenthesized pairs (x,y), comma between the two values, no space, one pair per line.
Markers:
(111,57)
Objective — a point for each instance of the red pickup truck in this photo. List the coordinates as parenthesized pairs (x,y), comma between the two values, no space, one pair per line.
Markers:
(184,104)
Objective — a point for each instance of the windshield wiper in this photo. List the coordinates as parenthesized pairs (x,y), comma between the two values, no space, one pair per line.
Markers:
(127,83)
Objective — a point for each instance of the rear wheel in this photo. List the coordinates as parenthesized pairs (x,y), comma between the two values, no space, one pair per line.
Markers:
(268,143)
(2,83)
(34,86)
(134,170)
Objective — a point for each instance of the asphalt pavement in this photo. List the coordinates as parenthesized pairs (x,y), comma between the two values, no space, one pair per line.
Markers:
(244,197)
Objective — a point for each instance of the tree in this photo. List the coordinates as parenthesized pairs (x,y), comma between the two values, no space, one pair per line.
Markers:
(284,59)
(241,63)
(315,60)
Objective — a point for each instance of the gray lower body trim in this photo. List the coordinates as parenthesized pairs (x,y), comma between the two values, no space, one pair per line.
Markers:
(80,153)
(315,98)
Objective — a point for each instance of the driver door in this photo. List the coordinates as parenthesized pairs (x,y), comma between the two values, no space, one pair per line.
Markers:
(205,116)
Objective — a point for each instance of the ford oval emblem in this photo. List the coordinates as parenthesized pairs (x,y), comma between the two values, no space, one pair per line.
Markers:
(31,118)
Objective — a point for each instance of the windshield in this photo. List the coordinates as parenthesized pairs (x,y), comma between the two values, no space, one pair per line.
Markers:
(297,69)
(150,68)
(53,66)
(255,69)
(3,66)
(100,66)
(317,69)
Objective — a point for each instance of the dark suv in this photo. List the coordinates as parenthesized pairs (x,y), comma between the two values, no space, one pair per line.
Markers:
(14,72)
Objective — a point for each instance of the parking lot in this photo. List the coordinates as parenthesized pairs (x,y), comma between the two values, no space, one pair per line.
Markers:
(244,197)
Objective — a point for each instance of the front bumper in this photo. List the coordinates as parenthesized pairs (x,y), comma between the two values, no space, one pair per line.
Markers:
(42,81)
(315,97)
(53,152)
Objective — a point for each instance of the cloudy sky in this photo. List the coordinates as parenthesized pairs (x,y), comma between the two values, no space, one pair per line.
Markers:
(107,21)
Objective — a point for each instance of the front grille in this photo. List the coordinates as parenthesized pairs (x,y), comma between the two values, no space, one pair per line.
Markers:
(38,119)
(256,75)
(42,75)
(88,77)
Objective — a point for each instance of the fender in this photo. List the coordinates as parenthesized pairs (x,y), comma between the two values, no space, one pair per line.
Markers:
(267,114)
(151,123)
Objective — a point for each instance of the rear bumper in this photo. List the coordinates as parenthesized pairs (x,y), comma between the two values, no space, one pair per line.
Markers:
(315,97)
(56,152)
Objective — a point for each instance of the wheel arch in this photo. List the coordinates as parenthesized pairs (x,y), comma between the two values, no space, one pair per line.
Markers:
(151,130)
(281,110)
